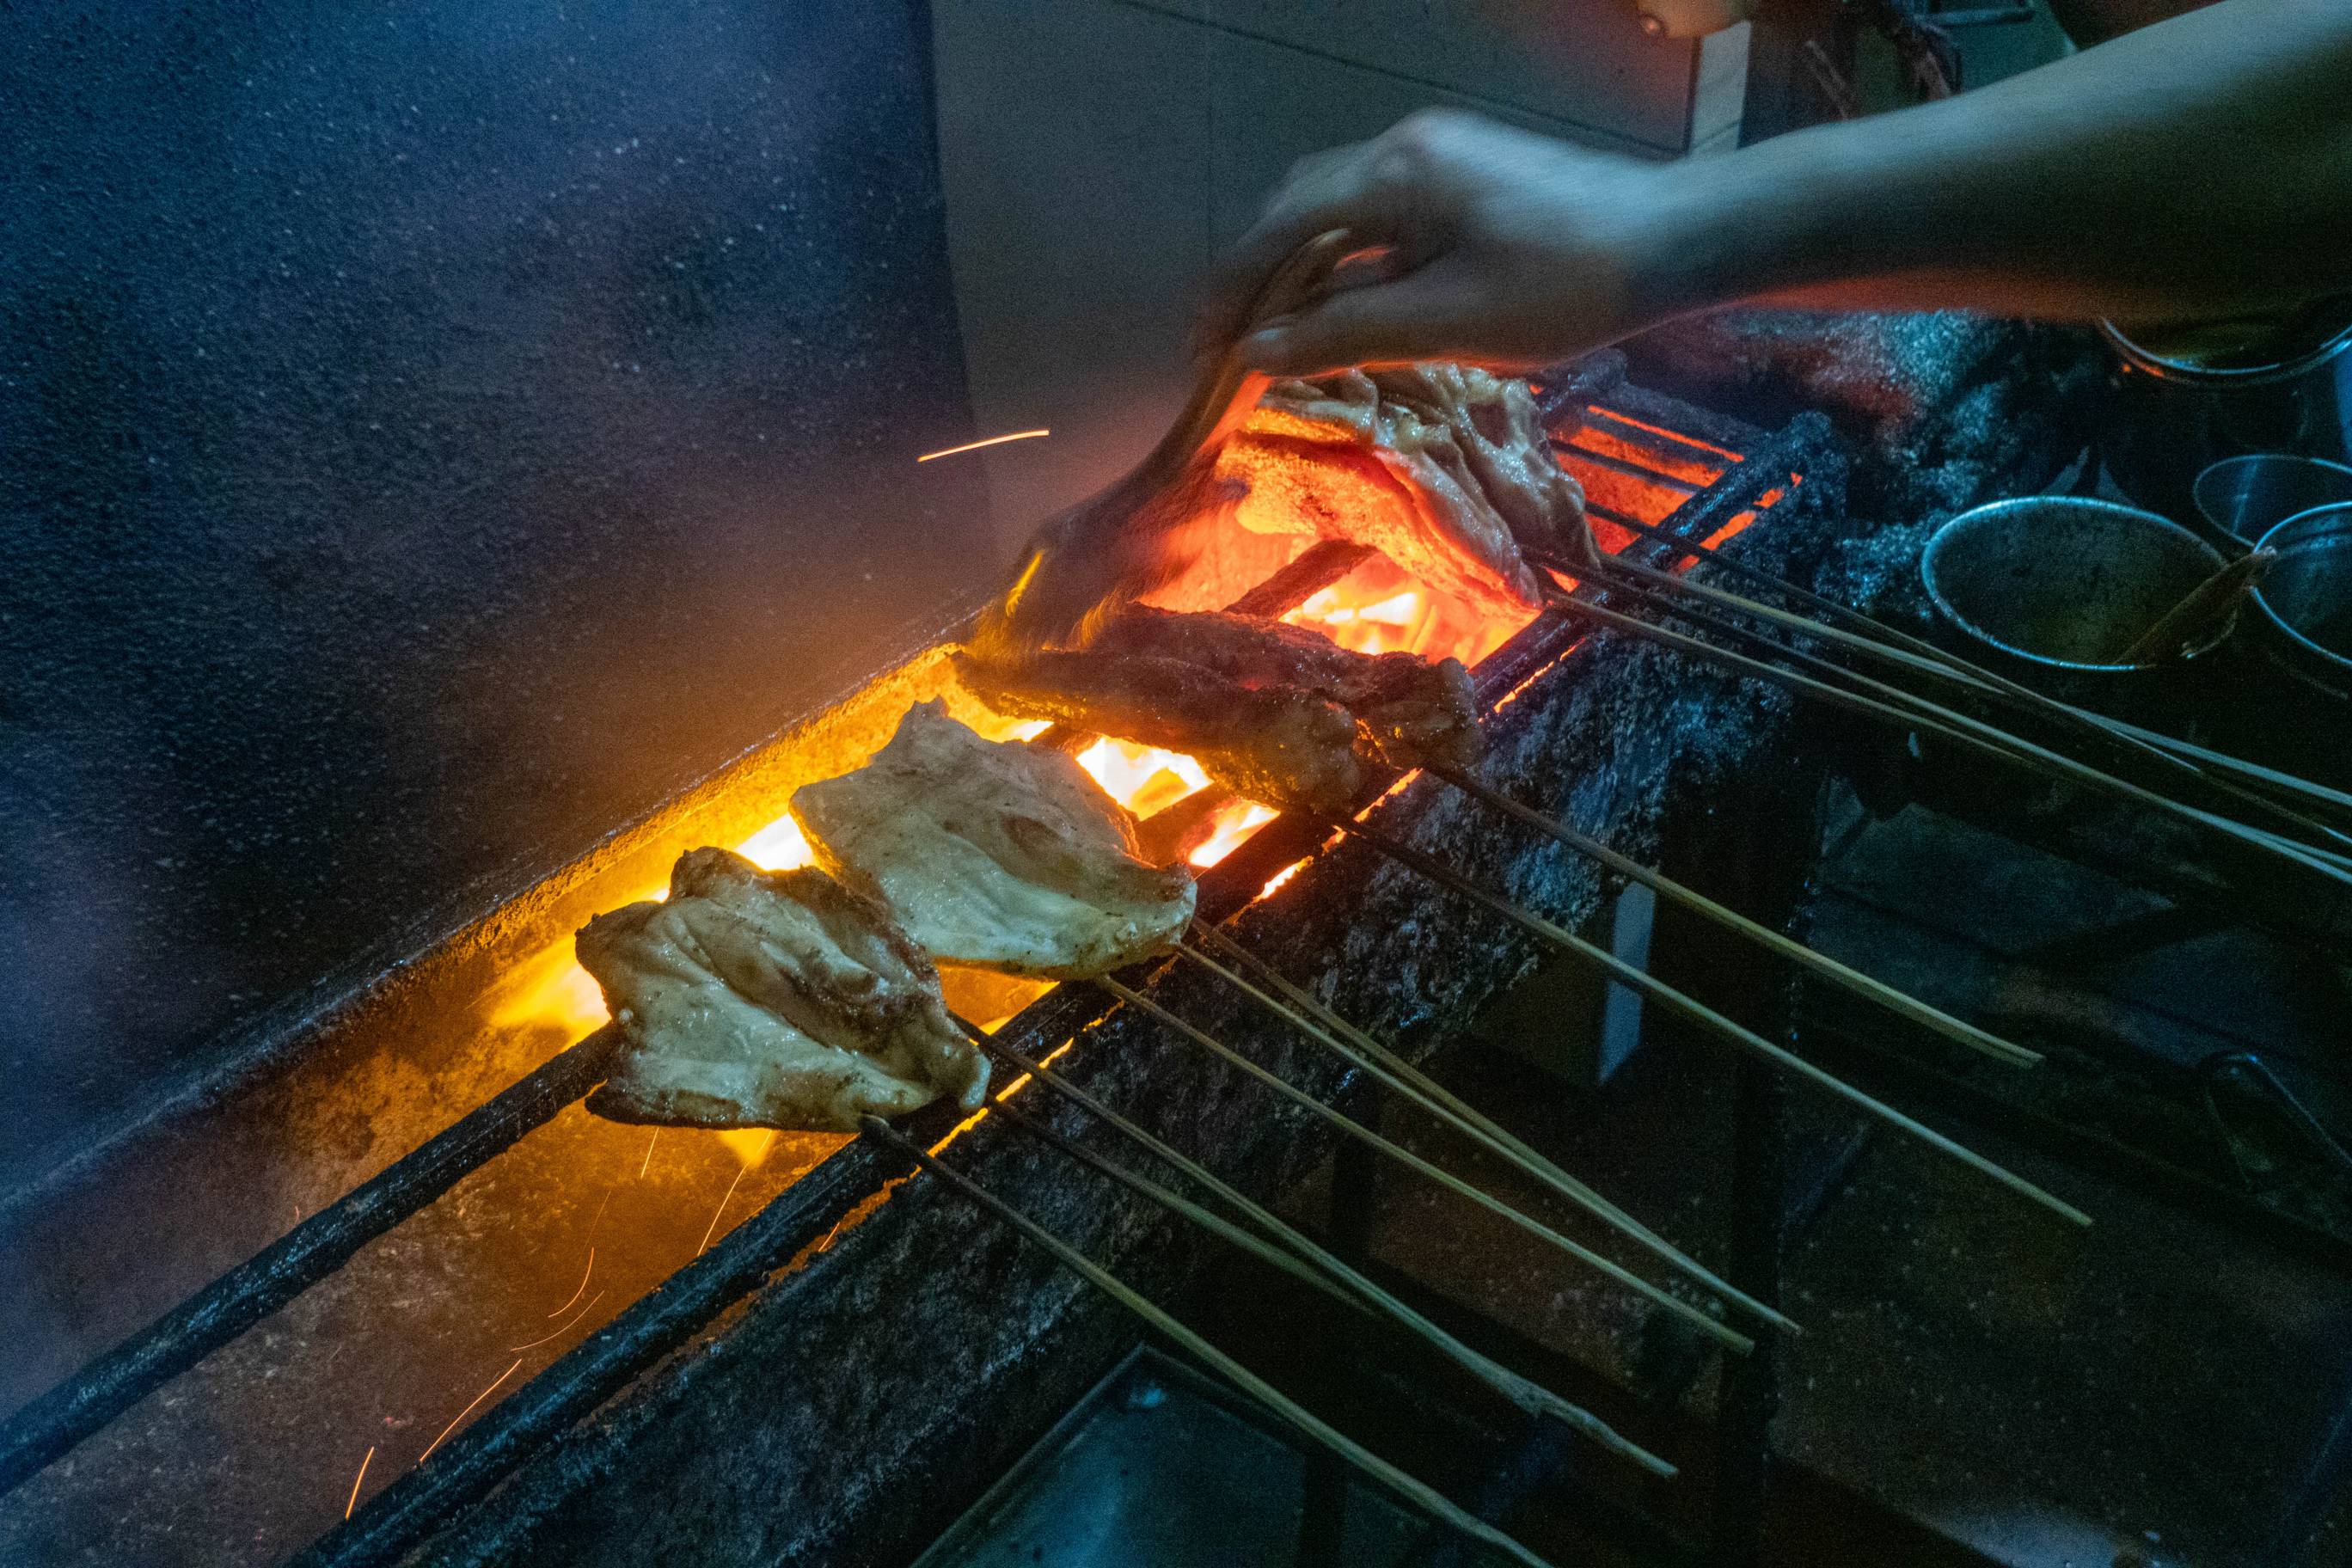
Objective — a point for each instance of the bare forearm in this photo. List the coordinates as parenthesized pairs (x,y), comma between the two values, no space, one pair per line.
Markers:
(2200,167)
(2197,168)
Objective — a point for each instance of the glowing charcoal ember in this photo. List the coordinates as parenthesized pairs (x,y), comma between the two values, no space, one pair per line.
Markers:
(1234,825)
(1144,779)
(778,847)
(1378,608)
(1281,878)
(551,991)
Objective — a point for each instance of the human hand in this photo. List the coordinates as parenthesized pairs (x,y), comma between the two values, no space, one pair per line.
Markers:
(1497,246)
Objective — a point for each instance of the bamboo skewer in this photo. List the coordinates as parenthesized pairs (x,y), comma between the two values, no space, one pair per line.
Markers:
(2248,780)
(2314,795)
(1315,1268)
(1909,712)
(1273,1224)
(1705,1016)
(1376,1063)
(1997,741)
(2310,796)
(1964,729)
(1925,658)
(1446,1179)
(1927,714)
(1421,1495)
(1954,1029)
(1431,1088)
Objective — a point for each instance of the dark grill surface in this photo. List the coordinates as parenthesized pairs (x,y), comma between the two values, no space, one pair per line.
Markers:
(1388,945)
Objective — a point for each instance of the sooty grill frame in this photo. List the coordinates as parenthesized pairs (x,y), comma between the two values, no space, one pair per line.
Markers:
(470,1464)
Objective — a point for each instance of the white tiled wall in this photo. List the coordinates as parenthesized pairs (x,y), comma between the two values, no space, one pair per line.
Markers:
(1097,152)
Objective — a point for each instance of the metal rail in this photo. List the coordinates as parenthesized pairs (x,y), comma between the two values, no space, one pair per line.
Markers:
(468,1465)
(52,1424)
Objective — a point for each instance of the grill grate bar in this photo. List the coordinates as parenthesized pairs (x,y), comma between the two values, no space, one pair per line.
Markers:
(1805,444)
(1621,466)
(50,1425)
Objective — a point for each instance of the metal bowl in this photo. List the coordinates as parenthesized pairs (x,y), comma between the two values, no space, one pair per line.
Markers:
(2306,599)
(2179,405)
(2056,586)
(2247,497)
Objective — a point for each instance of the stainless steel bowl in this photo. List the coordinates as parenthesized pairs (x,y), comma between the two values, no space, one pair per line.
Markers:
(2306,599)
(2177,407)
(2246,498)
(2054,587)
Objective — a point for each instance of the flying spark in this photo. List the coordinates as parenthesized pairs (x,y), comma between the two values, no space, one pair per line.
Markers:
(991,441)
(354,1499)
(722,1209)
(571,1323)
(583,1285)
(466,1412)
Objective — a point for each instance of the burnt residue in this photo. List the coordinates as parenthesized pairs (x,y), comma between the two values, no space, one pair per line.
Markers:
(1942,409)
(427,435)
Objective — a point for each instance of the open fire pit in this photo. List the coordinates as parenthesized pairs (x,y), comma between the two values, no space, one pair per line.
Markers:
(566,1311)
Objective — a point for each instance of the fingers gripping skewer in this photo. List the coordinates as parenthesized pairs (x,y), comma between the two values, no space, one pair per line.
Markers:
(1311,1265)
(1377,1062)
(1830,968)
(1419,1494)
(1703,1016)
(1446,1179)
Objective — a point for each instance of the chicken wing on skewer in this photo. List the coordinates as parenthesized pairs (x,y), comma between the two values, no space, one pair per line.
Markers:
(996,854)
(755,998)
(1406,708)
(1443,469)
(1275,713)
(1277,746)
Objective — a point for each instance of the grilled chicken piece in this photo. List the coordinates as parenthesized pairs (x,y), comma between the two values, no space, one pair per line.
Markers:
(1443,469)
(1406,710)
(1285,747)
(1273,711)
(779,999)
(997,853)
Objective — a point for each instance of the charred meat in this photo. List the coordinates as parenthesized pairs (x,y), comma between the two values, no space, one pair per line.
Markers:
(997,853)
(1443,469)
(1283,746)
(1276,712)
(755,998)
(1406,710)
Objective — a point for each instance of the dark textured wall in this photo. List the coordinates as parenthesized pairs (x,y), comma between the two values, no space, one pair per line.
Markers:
(428,434)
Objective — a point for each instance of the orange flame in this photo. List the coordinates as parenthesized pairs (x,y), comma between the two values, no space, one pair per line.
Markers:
(1233,825)
(1376,609)
(1144,779)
